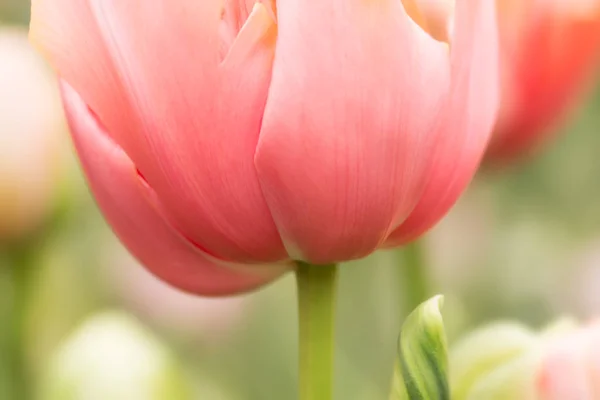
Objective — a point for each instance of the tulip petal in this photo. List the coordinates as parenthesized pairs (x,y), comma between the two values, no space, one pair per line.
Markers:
(469,117)
(67,33)
(121,196)
(356,89)
(564,49)
(191,120)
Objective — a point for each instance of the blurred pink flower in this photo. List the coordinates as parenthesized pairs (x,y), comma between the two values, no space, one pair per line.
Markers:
(224,139)
(549,53)
(570,367)
(31,123)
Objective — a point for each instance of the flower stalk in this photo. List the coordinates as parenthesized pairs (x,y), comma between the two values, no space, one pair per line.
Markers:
(414,274)
(316,305)
(13,318)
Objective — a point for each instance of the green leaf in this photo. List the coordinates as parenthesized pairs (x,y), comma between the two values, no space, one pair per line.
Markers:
(421,371)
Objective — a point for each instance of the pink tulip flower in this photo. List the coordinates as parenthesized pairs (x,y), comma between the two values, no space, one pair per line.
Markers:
(549,53)
(223,139)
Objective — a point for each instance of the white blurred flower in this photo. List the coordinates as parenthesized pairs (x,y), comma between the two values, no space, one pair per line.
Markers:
(31,141)
(112,357)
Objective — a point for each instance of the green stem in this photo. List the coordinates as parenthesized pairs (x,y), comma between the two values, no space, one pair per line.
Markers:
(415,280)
(316,304)
(13,322)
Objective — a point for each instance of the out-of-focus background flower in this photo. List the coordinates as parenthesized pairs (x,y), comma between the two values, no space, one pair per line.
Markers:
(523,243)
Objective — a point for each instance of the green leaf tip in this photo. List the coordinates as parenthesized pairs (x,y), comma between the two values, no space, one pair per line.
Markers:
(422,365)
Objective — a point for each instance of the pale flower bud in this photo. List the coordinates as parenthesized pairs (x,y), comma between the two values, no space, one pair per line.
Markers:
(31,123)
(494,350)
(508,361)
(112,357)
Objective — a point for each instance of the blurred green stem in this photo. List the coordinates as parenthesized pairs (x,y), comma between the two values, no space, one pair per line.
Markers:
(414,275)
(16,378)
(316,303)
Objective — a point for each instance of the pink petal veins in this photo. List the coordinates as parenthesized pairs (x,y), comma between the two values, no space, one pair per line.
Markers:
(152,71)
(347,132)
(465,128)
(118,191)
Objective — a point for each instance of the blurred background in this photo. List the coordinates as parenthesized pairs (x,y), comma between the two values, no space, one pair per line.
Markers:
(523,242)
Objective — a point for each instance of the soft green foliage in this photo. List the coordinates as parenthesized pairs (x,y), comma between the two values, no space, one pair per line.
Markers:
(421,371)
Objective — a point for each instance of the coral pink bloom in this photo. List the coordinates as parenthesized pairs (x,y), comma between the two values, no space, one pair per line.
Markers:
(549,53)
(220,135)
(570,367)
